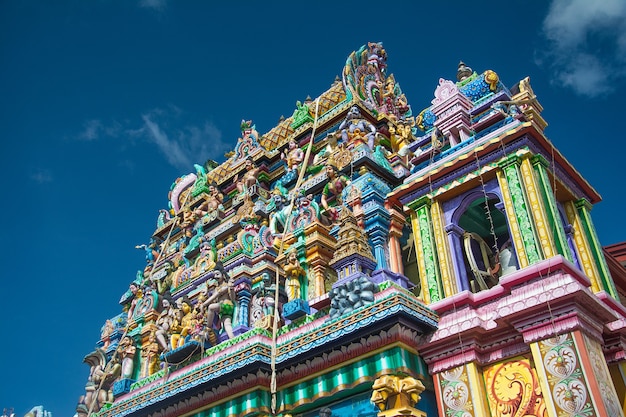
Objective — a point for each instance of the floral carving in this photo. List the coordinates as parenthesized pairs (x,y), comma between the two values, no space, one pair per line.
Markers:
(456,393)
(513,390)
(565,377)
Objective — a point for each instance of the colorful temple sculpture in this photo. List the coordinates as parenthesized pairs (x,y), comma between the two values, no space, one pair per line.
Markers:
(363,259)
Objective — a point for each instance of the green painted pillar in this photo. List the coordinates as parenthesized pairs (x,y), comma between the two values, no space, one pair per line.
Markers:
(428,264)
(584,207)
(516,200)
(556,225)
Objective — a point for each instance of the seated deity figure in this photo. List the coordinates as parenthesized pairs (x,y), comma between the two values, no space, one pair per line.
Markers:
(212,203)
(177,339)
(188,322)
(355,129)
(250,177)
(293,156)
(221,300)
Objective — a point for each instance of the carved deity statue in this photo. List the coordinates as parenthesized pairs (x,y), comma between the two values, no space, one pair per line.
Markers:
(150,356)
(355,129)
(293,156)
(212,203)
(334,187)
(294,272)
(127,351)
(250,177)
(221,300)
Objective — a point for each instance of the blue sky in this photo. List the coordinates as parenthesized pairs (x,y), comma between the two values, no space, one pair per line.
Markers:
(103,104)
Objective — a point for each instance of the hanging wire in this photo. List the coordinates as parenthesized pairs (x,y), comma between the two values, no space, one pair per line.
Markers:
(492,228)
(553,167)
(296,189)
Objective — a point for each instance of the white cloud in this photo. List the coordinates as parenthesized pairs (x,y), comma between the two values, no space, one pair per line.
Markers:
(91,131)
(158,5)
(181,144)
(94,129)
(182,147)
(42,176)
(586,44)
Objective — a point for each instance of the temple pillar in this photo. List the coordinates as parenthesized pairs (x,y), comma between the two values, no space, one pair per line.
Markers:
(443,251)
(455,235)
(537,209)
(461,391)
(396,226)
(426,252)
(320,245)
(584,207)
(574,376)
(554,219)
(618,376)
(585,257)
(519,218)
(377,218)
(242,314)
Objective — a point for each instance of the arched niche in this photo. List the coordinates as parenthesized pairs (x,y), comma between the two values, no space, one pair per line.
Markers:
(479,238)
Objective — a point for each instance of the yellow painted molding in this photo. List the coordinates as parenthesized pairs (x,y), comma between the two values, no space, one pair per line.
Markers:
(582,246)
(443,251)
(542,226)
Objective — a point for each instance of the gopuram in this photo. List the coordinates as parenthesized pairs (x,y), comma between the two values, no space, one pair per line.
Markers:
(365,259)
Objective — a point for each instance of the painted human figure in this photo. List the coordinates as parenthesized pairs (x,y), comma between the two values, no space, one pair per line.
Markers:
(212,203)
(221,301)
(188,321)
(250,177)
(105,335)
(334,187)
(331,146)
(357,129)
(188,219)
(136,296)
(150,356)
(400,138)
(176,338)
(293,156)
(99,387)
(127,352)
(150,249)
(206,259)
(164,323)
(294,272)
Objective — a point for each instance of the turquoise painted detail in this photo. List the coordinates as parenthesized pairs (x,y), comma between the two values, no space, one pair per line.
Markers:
(255,403)
(357,377)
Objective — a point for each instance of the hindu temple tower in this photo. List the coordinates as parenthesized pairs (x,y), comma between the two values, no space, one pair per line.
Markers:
(362,258)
